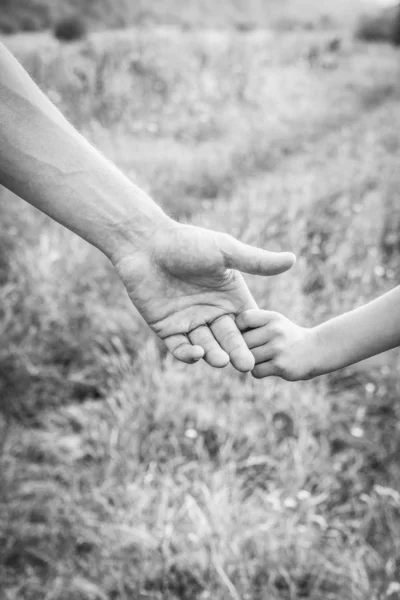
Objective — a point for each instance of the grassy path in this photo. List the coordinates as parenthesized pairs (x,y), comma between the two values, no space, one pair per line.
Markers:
(125,475)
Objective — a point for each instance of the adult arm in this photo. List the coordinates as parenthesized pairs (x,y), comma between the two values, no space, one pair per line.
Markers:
(182,279)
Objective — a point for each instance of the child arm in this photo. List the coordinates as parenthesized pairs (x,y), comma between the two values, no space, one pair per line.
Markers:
(361,333)
(282,348)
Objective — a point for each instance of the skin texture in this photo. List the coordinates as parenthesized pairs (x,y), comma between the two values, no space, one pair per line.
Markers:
(189,268)
(282,348)
(279,347)
(184,280)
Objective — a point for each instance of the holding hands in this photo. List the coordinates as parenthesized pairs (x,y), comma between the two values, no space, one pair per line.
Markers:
(187,285)
(185,281)
(279,346)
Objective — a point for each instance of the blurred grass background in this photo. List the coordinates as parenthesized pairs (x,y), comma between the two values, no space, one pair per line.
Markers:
(33,15)
(125,475)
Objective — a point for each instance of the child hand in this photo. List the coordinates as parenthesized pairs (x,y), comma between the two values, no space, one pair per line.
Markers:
(279,346)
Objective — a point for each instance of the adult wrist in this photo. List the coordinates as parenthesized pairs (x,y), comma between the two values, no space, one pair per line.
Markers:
(135,231)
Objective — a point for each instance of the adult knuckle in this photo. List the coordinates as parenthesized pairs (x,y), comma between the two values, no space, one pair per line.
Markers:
(275,328)
(230,336)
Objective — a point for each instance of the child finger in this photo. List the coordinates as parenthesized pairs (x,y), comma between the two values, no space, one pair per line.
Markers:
(263,353)
(265,369)
(259,337)
(253,317)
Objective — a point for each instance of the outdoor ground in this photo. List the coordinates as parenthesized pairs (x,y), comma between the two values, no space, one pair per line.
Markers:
(128,476)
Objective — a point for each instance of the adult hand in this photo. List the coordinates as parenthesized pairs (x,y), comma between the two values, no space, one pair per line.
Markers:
(186,285)
(182,279)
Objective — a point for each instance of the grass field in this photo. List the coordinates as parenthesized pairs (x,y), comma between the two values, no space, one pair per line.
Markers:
(128,476)
(34,15)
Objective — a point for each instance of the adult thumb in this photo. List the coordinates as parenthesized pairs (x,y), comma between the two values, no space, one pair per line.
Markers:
(255,261)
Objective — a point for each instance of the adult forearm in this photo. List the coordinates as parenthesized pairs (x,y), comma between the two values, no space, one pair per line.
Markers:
(51,166)
(359,334)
